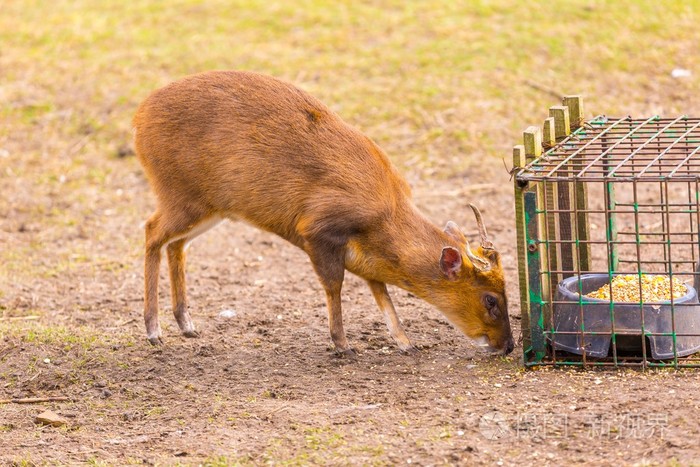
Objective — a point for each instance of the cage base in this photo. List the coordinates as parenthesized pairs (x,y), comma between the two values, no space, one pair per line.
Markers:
(629,345)
(583,324)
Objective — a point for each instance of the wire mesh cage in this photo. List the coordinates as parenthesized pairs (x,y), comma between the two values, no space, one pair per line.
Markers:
(608,217)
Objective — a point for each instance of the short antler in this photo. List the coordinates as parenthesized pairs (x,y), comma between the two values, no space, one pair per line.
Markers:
(479,263)
(485,242)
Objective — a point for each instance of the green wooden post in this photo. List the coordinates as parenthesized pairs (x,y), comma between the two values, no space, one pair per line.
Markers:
(547,192)
(520,233)
(546,195)
(536,285)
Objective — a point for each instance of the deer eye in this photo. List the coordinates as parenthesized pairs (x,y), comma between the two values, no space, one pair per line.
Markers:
(491,304)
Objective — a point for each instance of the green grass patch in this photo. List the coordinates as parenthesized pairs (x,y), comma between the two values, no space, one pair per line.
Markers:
(82,338)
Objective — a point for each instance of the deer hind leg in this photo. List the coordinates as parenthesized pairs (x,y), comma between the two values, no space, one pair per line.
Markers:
(178,290)
(154,242)
(381,296)
(176,265)
(163,228)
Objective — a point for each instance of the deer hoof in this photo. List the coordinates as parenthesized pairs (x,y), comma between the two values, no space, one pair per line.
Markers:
(347,353)
(155,341)
(411,350)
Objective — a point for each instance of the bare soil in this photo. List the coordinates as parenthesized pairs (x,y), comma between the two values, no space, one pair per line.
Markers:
(265,386)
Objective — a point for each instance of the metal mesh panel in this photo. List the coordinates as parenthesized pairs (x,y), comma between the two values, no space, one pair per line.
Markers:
(623,149)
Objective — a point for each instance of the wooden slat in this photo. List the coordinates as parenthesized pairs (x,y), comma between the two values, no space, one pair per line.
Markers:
(576,120)
(532,143)
(575,105)
(562,128)
(548,132)
(520,230)
(584,229)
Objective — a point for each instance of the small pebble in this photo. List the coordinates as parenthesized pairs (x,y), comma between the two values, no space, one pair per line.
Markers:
(681,73)
(227,313)
(50,418)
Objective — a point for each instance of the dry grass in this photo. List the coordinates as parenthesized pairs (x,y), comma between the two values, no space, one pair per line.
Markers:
(441,85)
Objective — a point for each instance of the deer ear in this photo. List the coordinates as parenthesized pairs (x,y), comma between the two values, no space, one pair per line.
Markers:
(453,231)
(450,262)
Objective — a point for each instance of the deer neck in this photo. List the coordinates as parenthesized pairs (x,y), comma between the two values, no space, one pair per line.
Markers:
(405,252)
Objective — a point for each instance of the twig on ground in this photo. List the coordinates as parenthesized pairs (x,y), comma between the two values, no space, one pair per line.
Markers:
(546,90)
(19,318)
(461,191)
(353,408)
(34,400)
(124,323)
(285,407)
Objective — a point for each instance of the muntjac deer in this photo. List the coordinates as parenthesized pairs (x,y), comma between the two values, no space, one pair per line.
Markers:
(244,146)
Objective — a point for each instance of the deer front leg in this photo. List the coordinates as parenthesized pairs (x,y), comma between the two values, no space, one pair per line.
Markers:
(381,295)
(330,268)
(335,320)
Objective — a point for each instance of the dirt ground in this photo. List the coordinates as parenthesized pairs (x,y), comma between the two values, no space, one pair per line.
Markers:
(264,385)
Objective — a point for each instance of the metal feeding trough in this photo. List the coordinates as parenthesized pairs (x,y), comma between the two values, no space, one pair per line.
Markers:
(596,313)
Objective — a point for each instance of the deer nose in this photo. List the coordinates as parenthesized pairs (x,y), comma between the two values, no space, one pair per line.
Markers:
(508,348)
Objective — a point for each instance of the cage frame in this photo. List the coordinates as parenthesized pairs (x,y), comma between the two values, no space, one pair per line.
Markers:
(551,213)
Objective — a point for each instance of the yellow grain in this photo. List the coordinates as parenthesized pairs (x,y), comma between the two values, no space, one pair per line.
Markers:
(625,288)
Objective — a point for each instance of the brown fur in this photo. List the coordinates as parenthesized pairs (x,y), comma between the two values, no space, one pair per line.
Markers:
(241,145)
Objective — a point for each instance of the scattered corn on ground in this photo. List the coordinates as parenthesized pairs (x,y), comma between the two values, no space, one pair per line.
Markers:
(625,288)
